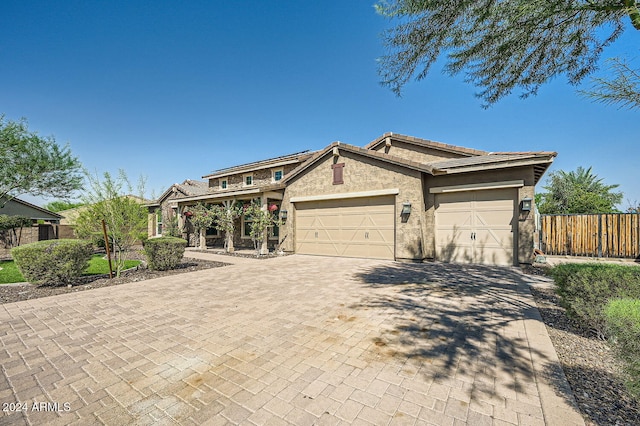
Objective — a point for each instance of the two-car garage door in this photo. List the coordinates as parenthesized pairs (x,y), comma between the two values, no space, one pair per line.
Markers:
(354,227)
(476,226)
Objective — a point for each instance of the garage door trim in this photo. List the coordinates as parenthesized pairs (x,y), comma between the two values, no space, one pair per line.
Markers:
(376,193)
(477,186)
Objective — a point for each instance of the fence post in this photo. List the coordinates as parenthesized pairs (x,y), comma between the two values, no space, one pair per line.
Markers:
(599,235)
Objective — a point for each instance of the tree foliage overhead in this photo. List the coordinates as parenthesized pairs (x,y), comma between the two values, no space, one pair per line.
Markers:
(60,205)
(31,164)
(501,45)
(622,90)
(576,192)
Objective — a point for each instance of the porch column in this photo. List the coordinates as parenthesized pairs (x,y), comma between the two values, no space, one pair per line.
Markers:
(264,249)
(228,204)
(151,222)
(179,212)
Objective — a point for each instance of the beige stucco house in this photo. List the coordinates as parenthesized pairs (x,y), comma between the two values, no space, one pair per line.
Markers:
(399,198)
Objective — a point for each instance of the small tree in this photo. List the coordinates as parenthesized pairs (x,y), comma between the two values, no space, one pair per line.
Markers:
(9,226)
(172,229)
(34,165)
(261,221)
(124,215)
(201,217)
(225,220)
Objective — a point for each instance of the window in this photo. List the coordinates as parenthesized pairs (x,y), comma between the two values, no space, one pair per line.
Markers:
(213,232)
(274,232)
(248,180)
(338,174)
(224,183)
(277,175)
(246,226)
(159,223)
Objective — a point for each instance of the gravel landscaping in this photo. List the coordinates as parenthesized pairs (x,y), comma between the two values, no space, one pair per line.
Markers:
(589,365)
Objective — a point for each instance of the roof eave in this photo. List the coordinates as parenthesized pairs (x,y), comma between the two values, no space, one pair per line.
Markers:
(542,165)
(231,194)
(259,165)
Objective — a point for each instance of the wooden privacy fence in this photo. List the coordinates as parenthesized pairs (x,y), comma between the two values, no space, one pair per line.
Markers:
(596,235)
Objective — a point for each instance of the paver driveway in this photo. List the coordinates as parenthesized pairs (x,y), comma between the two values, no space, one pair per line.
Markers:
(300,340)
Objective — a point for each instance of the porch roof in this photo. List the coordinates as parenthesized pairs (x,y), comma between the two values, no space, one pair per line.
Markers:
(242,193)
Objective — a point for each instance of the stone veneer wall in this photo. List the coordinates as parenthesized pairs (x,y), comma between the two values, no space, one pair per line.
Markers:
(362,174)
(260,178)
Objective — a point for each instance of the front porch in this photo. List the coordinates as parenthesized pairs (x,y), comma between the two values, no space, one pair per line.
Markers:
(213,237)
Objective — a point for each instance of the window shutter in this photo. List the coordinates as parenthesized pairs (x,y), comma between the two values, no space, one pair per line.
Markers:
(338,176)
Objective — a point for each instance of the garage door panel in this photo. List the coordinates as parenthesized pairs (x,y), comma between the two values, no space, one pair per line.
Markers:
(353,220)
(453,200)
(361,227)
(380,236)
(455,219)
(305,221)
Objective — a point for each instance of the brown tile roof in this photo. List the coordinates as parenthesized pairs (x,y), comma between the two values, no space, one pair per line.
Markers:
(211,194)
(193,187)
(540,160)
(492,158)
(425,143)
(298,156)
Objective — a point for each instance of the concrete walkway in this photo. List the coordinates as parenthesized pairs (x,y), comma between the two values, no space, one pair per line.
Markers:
(293,340)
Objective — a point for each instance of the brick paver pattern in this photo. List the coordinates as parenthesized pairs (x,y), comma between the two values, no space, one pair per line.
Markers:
(294,340)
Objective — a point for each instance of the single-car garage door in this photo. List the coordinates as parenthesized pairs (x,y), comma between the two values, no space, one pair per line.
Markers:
(356,227)
(476,226)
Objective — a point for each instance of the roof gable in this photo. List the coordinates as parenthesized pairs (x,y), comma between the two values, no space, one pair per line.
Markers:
(411,140)
(339,146)
(18,207)
(187,188)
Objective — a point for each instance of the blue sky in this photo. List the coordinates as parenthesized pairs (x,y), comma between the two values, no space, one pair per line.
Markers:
(174,90)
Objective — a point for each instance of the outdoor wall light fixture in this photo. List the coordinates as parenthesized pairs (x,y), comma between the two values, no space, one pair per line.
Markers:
(526,205)
(283,214)
(406,208)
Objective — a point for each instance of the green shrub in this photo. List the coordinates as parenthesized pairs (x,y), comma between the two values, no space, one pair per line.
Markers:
(53,262)
(623,324)
(164,252)
(585,289)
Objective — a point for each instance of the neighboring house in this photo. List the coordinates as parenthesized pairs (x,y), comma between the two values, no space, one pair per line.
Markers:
(399,198)
(18,207)
(70,216)
(45,223)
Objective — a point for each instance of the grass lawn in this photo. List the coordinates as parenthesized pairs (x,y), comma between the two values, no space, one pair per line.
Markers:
(97,266)
(9,272)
